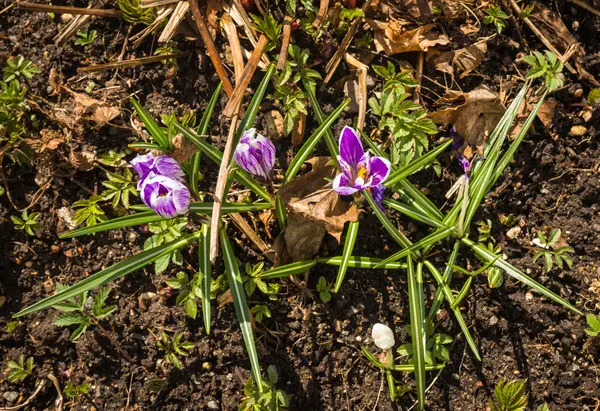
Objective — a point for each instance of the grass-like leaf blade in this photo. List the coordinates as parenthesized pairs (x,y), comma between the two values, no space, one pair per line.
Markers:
(153,128)
(351,234)
(296,268)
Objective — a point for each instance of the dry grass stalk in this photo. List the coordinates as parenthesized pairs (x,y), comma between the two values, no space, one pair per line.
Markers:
(234,44)
(540,36)
(210,47)
(71,28)
(178,16)
(155,3)
(162,14)
(323,7)
(130,63)
(586,6)
(419,77)
(224,171)
(361,97)
(235,101)
(49,8)
(240,17)
(240,223)
(341,51)
(285,43)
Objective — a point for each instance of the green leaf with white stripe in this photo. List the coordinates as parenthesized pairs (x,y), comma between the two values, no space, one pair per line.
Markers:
(236,286)
(351,234)
(154,129)
(205,272)
(416,302)
(287,270)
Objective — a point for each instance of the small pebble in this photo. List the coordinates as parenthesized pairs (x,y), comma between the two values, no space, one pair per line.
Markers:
(206,366)
(577,131)
(493,320)
(10,396)
(212,405)
(358,338)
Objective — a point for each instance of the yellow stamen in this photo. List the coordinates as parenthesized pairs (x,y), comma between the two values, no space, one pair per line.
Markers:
(362,173)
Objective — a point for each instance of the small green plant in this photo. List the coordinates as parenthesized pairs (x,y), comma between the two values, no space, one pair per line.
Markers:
(526,11)
(174,348)
(11,327)
(485,231)
(260,311)
(27,222)
(75,312)
(593,321)
(20,370)
(495,16)
(549,67)
(324,289)
(307,22)
(269,26)
(113,158)
(89,211)
(393,80)
(406,123)
(509,396)
(165,232)
(189,291)
(252,281)
(89,88)
(435,348)
(86,37)
(347,16)
(543,407)
(593,97)
(118,188)
(19,67)
(267,398)
(73,391)
(495,275)
(167,49)
(550,252)
(134,13)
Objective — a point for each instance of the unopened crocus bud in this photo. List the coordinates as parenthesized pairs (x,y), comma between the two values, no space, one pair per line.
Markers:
(255,154)
(383,336)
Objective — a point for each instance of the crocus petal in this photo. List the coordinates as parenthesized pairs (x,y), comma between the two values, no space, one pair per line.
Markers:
(255,154)
(378,193)
(383,336)
(168,167)
(379,170)
(342,185)
(143,164)
(168,197)
(464,163)
(351,149)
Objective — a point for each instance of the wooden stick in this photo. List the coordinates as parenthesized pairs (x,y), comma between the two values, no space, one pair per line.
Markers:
(586,6)
(540,36)
(162,14)
(341,51)
(323,7)
(285,43)
(178,16)
(131,63)
(361,97)
(239,221)
(49,8)
(240,89)
(234,44)
(210,47)
(417,91)
(224,171)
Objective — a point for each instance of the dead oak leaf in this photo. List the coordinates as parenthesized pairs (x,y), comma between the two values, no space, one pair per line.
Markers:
(464,60)
(98,111)
(474,114)
(391,38)
(314,209)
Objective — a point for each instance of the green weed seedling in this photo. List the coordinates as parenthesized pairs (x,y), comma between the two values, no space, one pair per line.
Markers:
(268,397)
(509,396)
(73,391)
(86,37)
(89,211)
(495,16)
(252,280)
(188,291)
(19,370)
(165,232)
(19,67)
(27,222)
(76,313)
(324,289)
(260,311)
(174,348)
(560,255)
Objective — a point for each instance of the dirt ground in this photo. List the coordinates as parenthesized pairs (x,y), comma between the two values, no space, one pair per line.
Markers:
(553,183)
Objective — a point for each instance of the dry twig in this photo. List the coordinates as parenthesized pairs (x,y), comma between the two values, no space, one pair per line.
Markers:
(323,7)
(41,384)
(178,16)
(285,43)
(210,47)
(361,97)
(131,63)
(49,8)
(234,44)
(239,221)
(586,6)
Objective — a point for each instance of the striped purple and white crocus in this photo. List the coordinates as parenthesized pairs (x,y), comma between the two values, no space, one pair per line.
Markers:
(161,185)
(255,154)
(360,170)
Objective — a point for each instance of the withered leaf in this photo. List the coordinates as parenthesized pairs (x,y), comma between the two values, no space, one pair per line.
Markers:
(298,130)
(82,160)
(391,38)
(98,111)
(313,209)
(183,149)
(474,114)
(546,112)
(463,60)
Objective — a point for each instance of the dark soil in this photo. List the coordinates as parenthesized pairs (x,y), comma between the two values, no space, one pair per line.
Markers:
(553,183)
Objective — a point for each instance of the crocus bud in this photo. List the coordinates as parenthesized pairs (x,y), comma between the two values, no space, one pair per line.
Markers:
(383,336)
(255,154)
(159,165)
(166,196)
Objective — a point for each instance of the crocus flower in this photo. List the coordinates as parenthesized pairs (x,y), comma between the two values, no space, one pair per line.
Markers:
(159,165)
(167,196)
(383,336)
(255,154)
(360,171)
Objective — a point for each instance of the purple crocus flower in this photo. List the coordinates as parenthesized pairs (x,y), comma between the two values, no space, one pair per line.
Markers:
(360,171)
(167,196)
(159,165)
(255,154)
(464,163)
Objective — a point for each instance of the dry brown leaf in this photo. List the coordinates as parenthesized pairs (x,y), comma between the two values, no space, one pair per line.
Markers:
(275,127)
(50,140)
(313,209)
(98,111)
(468,28)
(213,7)
(183,149)
(391,38)
(82,160)
(454,8)
(474,115)
(298,130)
(546,112)
(464,60)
